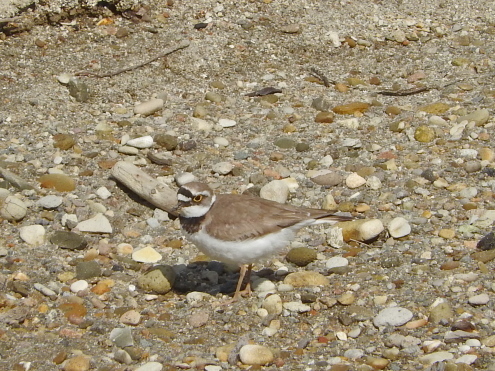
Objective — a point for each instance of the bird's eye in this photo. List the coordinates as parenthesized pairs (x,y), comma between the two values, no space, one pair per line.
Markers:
(198,198)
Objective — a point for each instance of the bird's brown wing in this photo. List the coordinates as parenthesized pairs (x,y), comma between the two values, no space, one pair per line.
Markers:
(244,217)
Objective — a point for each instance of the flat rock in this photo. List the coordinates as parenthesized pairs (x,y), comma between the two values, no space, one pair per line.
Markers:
(149,107)
(276,190)
(393,316)
(50,201)
(141,142)
(253,354)
(68,240)
(146,255)
(97,224)
(32,234)
(159,279)
(306,278)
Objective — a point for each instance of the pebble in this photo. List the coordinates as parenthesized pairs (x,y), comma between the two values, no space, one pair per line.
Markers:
(97,224)
(399,227)
(273,304)
(141,142)
(88,269)
(480,299)
(301,256)
(103,193)
(431,358)
(346,298)
(354,180)
(327,178)
(351,108)
(324,117)
(78,90)
(467,359)
(227,123)
(487,242)
(79,286)
(68,240)
(168,141)
(128,150)
(122,337)
(44,290)
(222,168)
(150,366)
(77,363)
(131,317)
(276,190)
(221,141)
(149,107)
(13,209)
(440,311)
(59,182)
(256,355)
(33,234)
(336,261)
(361,230)
(479,117)
(393,316)
(373,182)
(285,143)
(159,279)
(146,255)
(50,201)
(321,104)
(306,278)
(424,134)
(214,97)
(297,307)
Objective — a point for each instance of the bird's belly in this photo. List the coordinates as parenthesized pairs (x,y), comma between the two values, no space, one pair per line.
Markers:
(241,252)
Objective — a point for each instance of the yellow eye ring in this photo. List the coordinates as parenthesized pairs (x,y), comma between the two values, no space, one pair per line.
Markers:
(198,198)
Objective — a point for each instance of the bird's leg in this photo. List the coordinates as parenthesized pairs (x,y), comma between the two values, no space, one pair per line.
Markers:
(242,274)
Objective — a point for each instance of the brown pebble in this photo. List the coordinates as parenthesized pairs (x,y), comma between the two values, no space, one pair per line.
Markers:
(392,110)
(276,156)
(374,80)
(175,244)
(77,363)
(450,265)
(60,357)
(64,141)
(40,43)
(351,108)
(107,164)
(324,117)
(340,87)
(60,182)
(446,233)
(350,41)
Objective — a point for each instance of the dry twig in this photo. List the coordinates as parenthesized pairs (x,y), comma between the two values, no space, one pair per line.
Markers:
(183,44)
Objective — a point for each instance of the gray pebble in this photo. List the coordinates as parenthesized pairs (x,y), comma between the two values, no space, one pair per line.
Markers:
(50,202)
(394,316)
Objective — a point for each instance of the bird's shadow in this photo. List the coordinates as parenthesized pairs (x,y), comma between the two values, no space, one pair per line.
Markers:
(212,277)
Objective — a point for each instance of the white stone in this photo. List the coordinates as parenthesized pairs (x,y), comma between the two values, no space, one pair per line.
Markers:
(146,255)
(354,180)
(103,193)
(221,141)
(468,192)
(374,182)
(50,201)
(295,306)
(370,229)
(335,238)
(394,316)
(13,208)
(467,359)
(79,286)
(468,153)
(263,285)
(141,142)
(97,224)
(185,178)
(64,78)
(69,219)
(128,150)
(222,168)
(150,366)
(431,358)
(200,124)
(399,227)
(33,234)
(337,261)
(327,160)
(252,354)
(276,190)
(334,38)
(149,107)
(273,304)
(227,123)
(480,299)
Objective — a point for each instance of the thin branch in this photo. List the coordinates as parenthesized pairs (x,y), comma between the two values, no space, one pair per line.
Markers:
(319,75)
(183,44)
(403,93)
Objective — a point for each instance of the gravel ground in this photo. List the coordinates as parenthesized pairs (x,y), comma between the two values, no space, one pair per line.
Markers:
(382,110)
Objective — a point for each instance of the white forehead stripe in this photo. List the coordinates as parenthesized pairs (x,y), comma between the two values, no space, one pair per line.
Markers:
(183,198)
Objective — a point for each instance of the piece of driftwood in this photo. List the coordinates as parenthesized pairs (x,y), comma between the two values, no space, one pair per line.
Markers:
(145,186)
(183,44)
(403,93)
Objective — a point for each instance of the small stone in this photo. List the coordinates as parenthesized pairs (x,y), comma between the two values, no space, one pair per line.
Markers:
(97,224)
(377,363)
(214,97)
(13,208)
(128,150)
(301,256)
(440,311)
(446,233)
(336,262)
(472,166)
(146,255)
(59,182)
(221,141)
(291,28)
(321,104)
(351,108)
(435,357)
(487,242)
(306,278)
(354,181)
(479,117)
(285,143)
(159,279)
(424,134)
(487,154)
(149,107)
(480,299)
(169,142)
(394,316)
(78,90)
(122,337)
(227,123)
(141,142)
(131,317)
(399,227)
(50,202)
(346,298)
(296,307)
(68,240)
(88,269)
(222,168)
(361,230)
(33,234)
(64,141)
(327,178)
(103,193)
(77,363)
(79,285)
(252,354)
(276,190)
(302,147)
(273,304)
(324,117)
(435,108)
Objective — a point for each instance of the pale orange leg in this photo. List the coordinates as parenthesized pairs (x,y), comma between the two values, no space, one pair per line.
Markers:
(247,290)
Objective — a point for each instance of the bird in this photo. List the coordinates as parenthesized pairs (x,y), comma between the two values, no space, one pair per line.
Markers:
(241,229)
